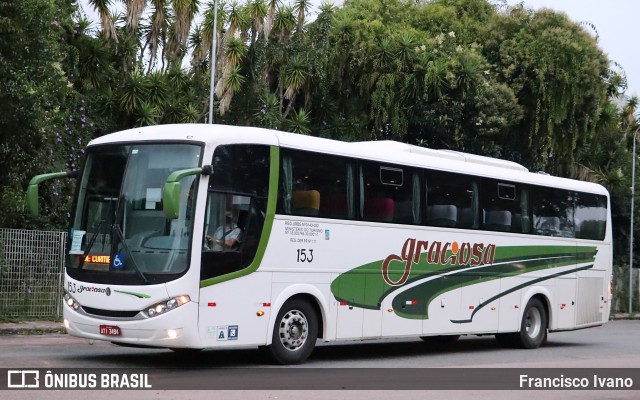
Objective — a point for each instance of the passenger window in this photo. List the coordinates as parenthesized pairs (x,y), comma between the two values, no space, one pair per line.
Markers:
(590,216)
(316,185)
(389,194)
(553,212)
(504,207)
(452,200)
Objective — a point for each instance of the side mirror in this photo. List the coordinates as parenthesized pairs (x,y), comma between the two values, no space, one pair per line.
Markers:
(171,189)
(33,200)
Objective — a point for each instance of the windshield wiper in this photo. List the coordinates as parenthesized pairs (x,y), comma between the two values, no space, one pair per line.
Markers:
(118,231)
(90,244)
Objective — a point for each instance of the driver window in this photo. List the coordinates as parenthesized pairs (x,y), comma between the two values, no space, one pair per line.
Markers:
(225,222)
(235,209)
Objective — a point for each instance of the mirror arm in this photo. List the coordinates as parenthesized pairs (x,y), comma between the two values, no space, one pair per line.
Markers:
(33,202)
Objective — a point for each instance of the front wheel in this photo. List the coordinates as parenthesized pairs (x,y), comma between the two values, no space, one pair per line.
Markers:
(295,332)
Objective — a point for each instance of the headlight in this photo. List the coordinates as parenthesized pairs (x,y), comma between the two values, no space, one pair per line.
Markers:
(70,301)
(167,305)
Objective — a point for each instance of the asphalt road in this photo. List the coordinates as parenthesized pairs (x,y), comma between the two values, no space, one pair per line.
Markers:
(614,345)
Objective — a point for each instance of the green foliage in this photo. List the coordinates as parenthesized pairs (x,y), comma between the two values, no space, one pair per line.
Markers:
(528,86)
(557,72)
(45,121)
(298,122)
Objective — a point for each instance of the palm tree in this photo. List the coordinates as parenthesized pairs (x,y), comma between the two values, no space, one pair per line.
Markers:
(294,75)
(233,82)
(232,78)
(284,22)
(108,27)
(184,12)
(94,63)
(257,11)
(134,92)
(198,51)
(157,90)
(628,117)
(147,114)
(207,26)
(302,8)
(237,19)
(134,11)
(299,122)
(158,30)
(272,7)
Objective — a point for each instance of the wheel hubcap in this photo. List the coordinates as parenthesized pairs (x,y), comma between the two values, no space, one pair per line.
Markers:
(293,330)
(533,322)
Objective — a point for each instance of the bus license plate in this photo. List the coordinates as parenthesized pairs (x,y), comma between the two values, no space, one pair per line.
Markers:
(110,330)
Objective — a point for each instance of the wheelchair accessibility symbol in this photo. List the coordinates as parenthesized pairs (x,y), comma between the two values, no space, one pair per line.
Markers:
(118,261)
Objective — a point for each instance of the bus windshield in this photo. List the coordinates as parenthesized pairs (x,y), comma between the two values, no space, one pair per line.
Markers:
(119,233)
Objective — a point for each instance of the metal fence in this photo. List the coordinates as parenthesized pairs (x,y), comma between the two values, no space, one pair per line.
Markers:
(31,273)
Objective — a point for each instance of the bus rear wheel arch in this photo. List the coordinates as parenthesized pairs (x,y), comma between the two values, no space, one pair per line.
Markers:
(294,333)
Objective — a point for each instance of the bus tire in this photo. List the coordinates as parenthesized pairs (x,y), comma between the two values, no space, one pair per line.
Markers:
(294,333)
(533,328)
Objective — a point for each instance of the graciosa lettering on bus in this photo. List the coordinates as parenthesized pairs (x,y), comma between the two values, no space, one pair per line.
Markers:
(437,253)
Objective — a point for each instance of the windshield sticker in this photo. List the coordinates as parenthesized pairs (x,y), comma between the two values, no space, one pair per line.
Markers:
(154,196)
(118,261)
(76,242)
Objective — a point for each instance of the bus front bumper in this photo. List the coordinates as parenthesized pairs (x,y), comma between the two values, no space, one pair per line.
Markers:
(176,329)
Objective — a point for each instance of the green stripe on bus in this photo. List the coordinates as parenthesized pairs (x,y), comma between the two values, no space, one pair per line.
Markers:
(268,224)
(518,287)
(138,295)
(365,287)
(426,292)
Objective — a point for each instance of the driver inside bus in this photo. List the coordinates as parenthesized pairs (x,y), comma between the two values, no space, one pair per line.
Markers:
(227,236)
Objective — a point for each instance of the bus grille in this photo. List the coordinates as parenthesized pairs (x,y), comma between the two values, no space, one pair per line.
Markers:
(110,313)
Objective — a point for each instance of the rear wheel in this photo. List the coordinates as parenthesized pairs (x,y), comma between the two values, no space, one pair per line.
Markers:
(295,332)
(533,328)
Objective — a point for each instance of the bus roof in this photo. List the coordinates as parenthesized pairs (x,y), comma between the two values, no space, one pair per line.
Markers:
(384,151)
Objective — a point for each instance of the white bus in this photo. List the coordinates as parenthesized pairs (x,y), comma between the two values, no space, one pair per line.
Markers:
(210,237)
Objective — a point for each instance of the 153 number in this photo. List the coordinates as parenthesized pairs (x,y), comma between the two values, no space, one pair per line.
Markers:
(305,255)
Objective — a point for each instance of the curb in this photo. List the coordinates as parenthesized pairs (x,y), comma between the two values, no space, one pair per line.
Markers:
(31,328)
(618,317)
